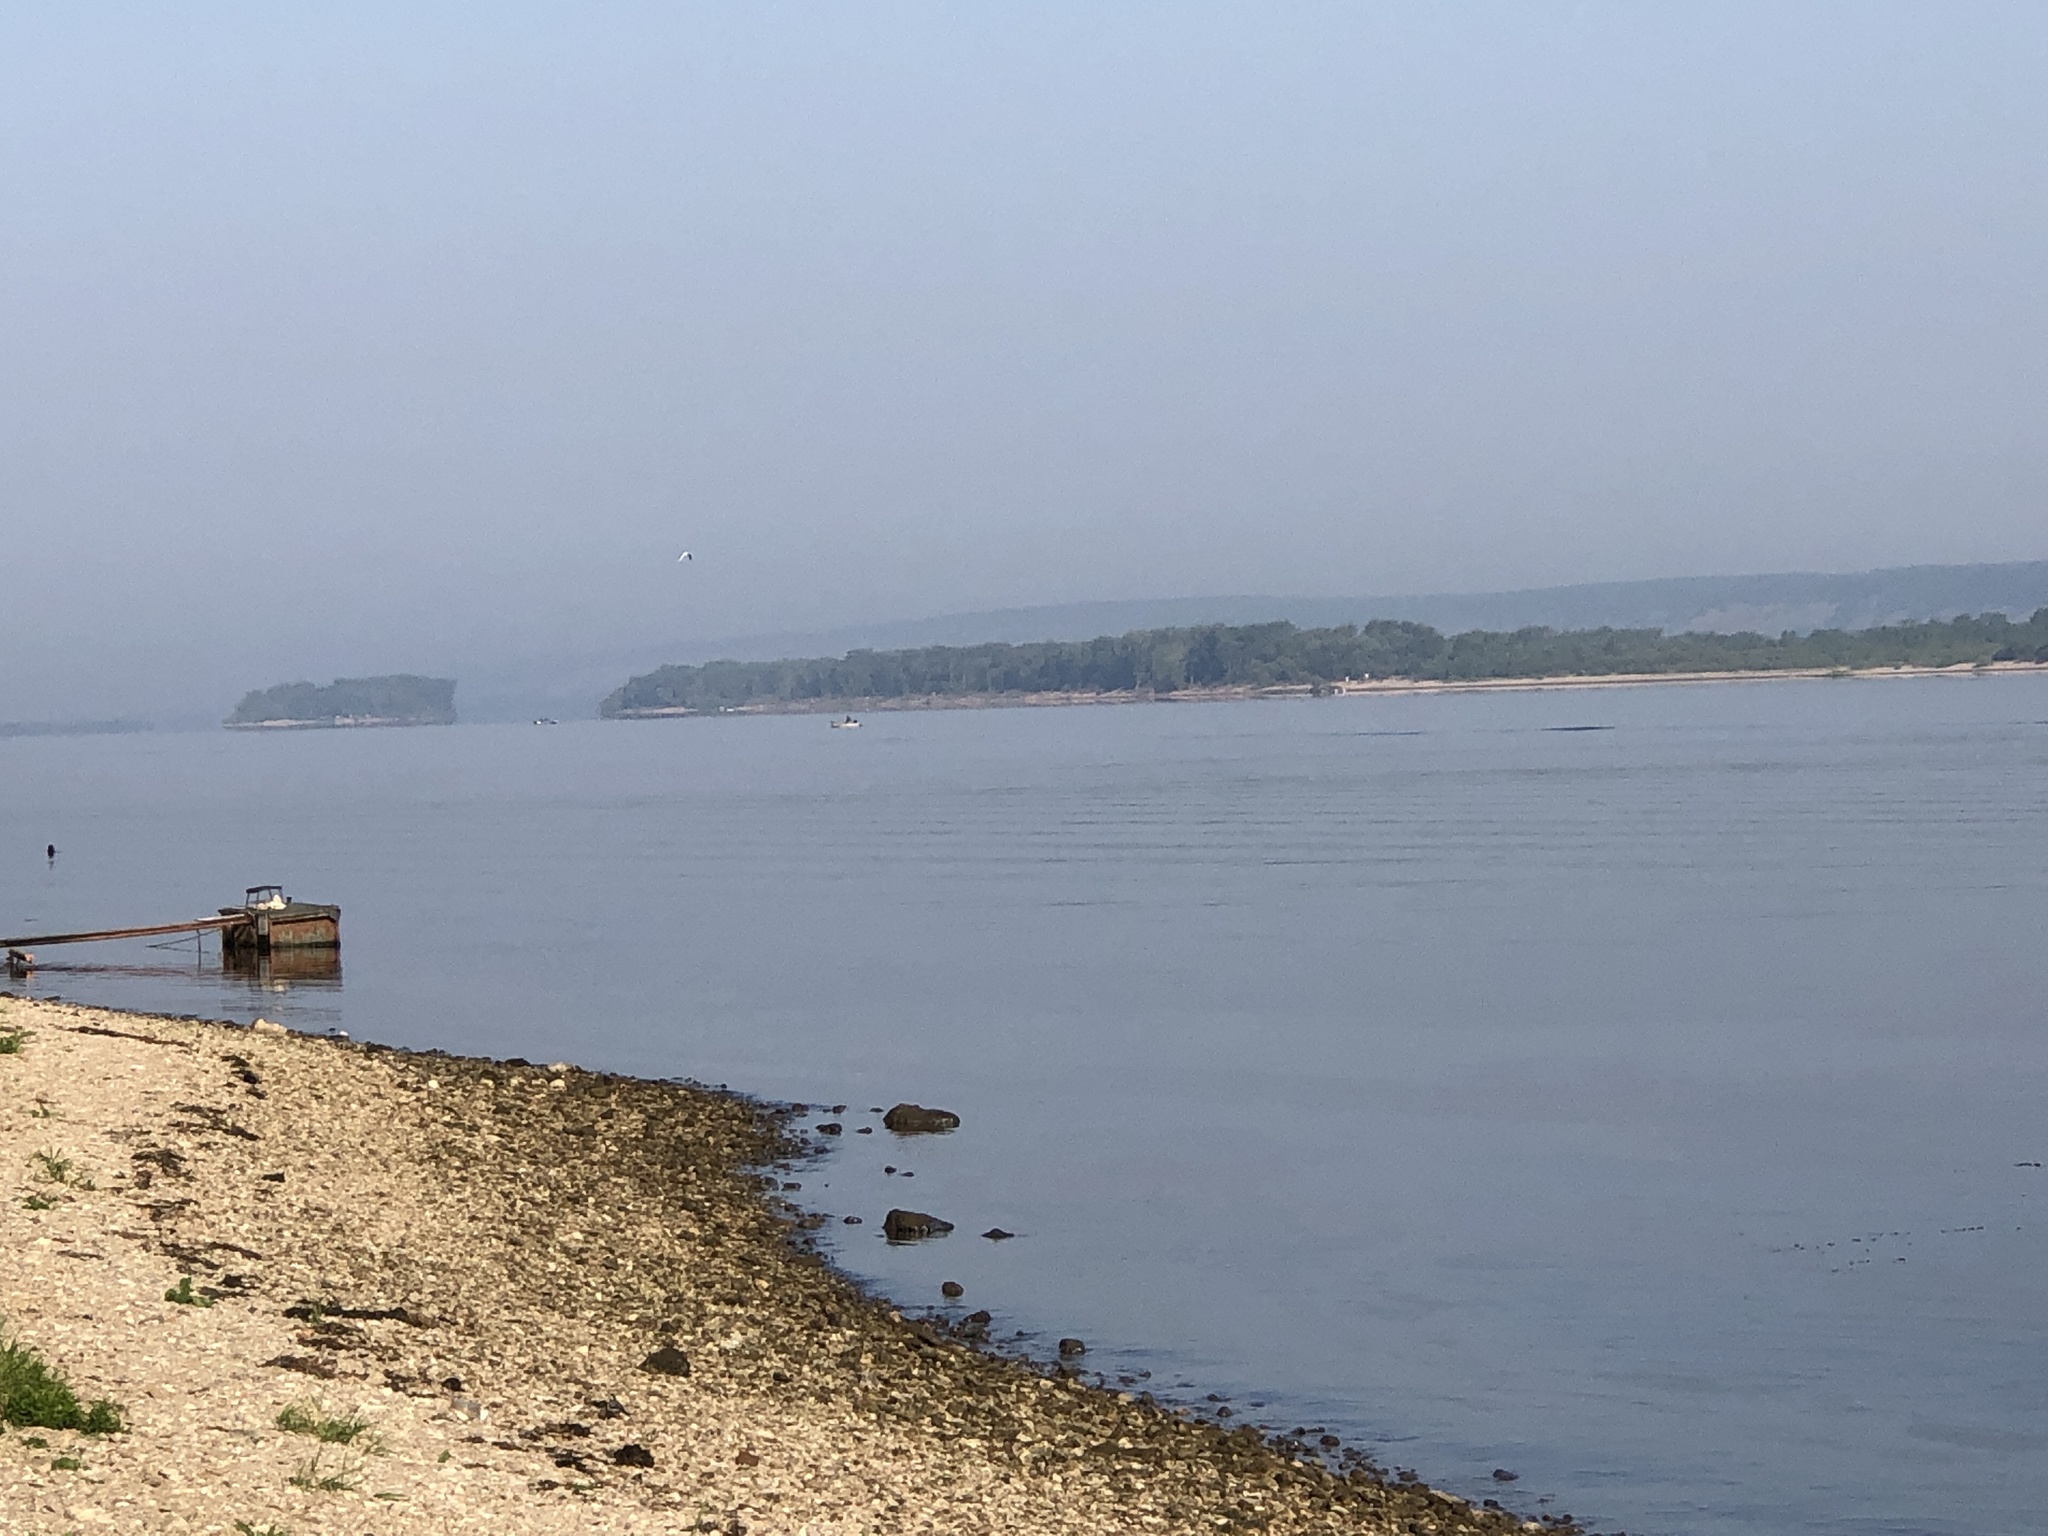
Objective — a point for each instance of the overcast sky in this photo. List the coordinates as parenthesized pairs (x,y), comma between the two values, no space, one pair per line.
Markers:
(348,338)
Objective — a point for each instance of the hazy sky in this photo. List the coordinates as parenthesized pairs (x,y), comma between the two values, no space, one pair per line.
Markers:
(357,337)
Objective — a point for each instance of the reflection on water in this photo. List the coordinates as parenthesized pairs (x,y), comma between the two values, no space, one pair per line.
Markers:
(284,969)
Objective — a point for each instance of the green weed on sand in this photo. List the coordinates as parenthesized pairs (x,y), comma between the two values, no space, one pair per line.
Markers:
(33,1394)
(311,1419)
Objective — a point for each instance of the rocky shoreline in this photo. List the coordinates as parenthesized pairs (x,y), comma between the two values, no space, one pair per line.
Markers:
(549,1299)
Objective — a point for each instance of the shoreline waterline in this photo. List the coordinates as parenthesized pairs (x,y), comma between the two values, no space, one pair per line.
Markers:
(1348,688)
(486,1260)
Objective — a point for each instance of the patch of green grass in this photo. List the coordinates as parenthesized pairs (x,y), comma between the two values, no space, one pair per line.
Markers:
(31,1394)
(52,1169)
(314,1478)
(12,1041)
(39,1202)
(183,1294)
(42,1111)
(310,1419)
(66,1464)
(245,1528)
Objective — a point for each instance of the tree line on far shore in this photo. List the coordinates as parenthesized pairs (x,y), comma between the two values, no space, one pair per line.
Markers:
(1168,661)
(401,698)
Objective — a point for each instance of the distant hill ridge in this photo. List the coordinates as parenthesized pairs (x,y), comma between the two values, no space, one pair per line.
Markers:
(1800,601)
(400,699)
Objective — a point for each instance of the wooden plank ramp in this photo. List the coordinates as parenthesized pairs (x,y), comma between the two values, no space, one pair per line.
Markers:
(197,925)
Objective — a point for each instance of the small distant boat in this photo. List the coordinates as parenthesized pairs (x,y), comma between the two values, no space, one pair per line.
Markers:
(848,724)
(544,720)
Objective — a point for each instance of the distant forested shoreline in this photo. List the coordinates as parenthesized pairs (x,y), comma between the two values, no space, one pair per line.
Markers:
(401,699)
(1163,662)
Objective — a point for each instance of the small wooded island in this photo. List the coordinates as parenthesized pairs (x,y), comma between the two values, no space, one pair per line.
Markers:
(1221,660)
(401,699)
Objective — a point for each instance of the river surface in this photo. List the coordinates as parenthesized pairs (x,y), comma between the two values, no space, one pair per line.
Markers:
(1644,1109)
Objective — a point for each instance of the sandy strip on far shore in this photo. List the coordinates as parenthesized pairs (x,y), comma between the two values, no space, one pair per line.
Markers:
(477,1258)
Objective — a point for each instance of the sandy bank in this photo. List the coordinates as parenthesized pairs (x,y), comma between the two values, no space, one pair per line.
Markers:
(477,1258)
(1352,688)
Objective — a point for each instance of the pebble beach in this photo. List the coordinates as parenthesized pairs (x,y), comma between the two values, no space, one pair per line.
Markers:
(494,1296)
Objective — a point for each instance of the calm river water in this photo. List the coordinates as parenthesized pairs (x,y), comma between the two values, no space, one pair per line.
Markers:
(1646,1109)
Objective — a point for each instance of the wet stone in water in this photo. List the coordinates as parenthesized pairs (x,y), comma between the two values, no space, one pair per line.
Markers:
(916,1120)
(908,1226)
(952,1289)
(1071,1347)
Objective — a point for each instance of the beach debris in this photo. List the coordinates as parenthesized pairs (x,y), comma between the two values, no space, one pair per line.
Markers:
(916,1120)
(997,1234)
(1072,1347)
(952,1290)
(667,1361)
(305,1365)
(830,1128)
(908,1226)
(261,1026)
(631,1455)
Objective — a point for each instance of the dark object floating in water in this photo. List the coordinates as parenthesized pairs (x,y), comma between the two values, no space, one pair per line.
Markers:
(952,1290)
(1503,1475)
(830,1128)
(1072,1347)
(667,1361)
(851,1221)
(1569,728)
(997,1234)
(916,1120)
(908,1226)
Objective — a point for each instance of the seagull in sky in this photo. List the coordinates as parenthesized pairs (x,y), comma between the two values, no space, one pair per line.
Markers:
(682,557)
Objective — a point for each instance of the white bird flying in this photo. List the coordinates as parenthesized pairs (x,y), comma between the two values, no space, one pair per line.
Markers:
(682,557)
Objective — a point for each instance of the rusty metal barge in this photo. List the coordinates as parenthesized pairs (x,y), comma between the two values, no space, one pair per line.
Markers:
(268,922)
